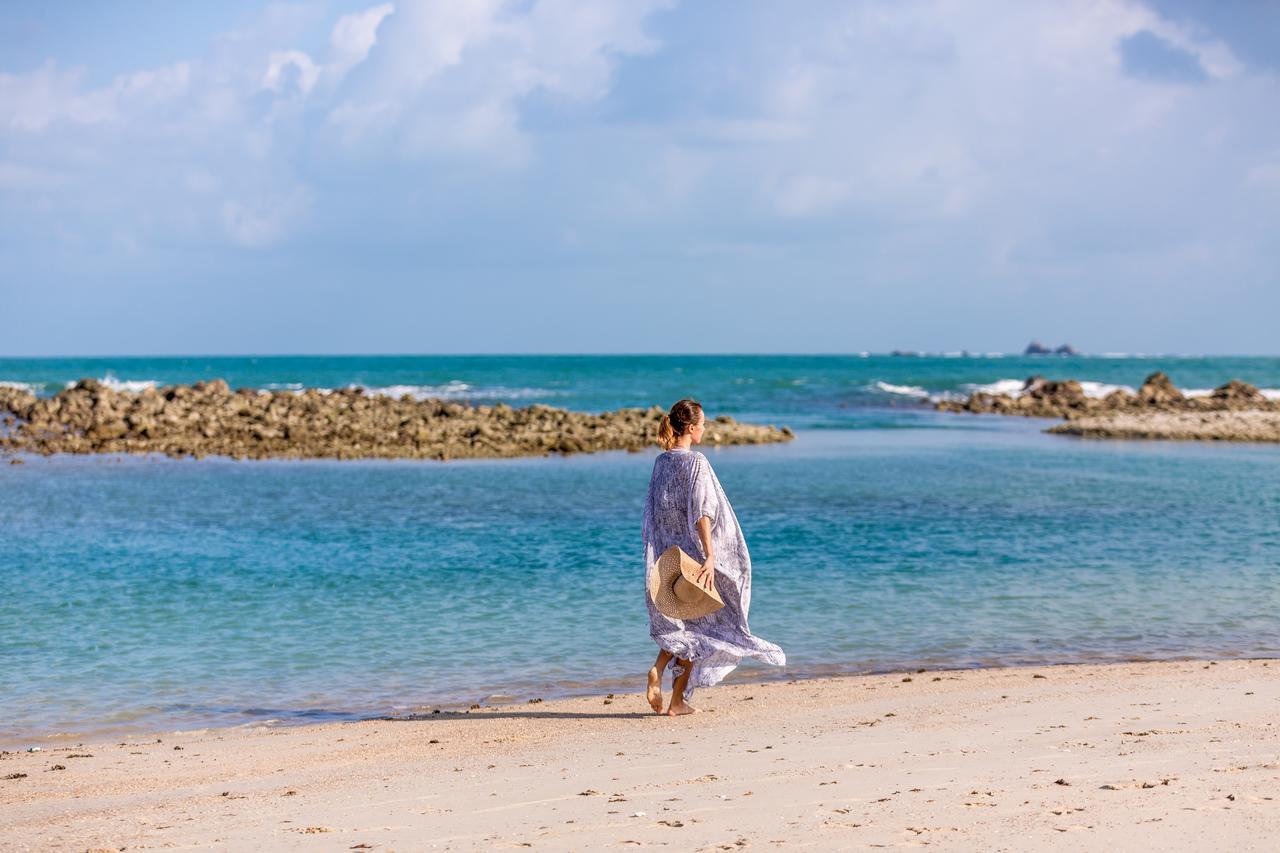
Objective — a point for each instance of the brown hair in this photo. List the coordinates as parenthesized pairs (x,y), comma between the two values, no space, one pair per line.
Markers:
(673,424)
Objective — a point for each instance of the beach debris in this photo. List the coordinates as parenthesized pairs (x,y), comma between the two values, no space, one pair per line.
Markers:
(35,749)
(675,824)
(177,747)
(1038,675)
(908,678)
(474,706)
(80,755)
(311,830)
(289,793)
(1061,782)
(433,740)
(16,776)
(361,846)
(590,792)
(637,814)
(58,767)
(535,701)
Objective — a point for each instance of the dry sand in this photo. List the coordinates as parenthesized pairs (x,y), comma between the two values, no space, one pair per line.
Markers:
(1147,756)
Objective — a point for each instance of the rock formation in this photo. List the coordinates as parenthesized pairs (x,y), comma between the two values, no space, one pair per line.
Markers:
(1246,425)
(1044,398)
(208,418)
(1037,348)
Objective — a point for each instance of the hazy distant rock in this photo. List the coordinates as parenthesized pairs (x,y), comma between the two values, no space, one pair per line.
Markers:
(1037,348)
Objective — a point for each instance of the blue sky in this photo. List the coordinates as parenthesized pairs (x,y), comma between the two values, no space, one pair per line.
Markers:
(638,176)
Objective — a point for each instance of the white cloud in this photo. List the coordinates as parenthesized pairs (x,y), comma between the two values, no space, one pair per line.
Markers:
(290,68)
(264,218)
(353,37)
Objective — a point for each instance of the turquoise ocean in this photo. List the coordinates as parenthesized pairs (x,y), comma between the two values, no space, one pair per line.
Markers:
(144,593)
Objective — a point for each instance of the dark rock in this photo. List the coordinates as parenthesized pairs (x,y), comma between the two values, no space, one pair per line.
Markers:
(1236,391)
(1159,390)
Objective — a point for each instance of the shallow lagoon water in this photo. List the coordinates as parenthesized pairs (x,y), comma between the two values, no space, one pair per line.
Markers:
(143,593)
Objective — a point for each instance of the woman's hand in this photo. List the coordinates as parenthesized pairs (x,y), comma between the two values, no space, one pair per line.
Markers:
(707,577)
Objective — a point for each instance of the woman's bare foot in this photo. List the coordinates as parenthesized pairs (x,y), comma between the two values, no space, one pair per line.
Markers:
(680,708)
(654,693)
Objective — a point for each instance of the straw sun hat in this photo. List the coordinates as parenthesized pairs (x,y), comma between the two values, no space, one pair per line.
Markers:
(674,589)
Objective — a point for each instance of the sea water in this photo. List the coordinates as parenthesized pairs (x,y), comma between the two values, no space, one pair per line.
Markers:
(144,593)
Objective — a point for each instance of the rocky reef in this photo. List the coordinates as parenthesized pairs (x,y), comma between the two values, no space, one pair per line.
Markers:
(1235,411)
(1246,425)
(1044,398)
(209,418)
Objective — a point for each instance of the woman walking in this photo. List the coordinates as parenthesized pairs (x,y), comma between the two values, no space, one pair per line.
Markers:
(686,506)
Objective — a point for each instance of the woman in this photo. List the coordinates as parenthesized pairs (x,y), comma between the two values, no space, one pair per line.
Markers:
(687,507)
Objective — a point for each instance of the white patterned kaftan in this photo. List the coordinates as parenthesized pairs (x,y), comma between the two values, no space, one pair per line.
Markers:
(682,489)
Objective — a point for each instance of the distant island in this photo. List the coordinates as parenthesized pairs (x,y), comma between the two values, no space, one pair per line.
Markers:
(1037,348)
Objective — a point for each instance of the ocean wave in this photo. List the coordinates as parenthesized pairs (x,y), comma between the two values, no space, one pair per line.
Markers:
(1013,388)
(133,386)
(453,390)
(458,390)
(1269,393)
(902,390)
(29,387)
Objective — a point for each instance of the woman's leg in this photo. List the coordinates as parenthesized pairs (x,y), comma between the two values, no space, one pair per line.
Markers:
(678,705)
(654,691)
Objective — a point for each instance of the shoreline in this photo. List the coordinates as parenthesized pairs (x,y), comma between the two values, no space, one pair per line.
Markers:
(303,718)
(1154,754)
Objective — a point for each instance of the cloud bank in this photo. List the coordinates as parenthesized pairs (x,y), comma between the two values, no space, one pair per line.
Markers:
(1024,158)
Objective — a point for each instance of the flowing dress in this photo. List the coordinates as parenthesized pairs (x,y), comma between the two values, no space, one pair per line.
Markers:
(682,489)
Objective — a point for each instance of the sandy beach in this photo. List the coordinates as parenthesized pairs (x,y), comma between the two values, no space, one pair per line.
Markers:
(1153,756)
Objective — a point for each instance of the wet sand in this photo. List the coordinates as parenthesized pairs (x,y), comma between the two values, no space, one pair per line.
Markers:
(1154,756)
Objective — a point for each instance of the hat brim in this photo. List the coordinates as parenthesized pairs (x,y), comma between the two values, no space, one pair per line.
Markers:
(672,565)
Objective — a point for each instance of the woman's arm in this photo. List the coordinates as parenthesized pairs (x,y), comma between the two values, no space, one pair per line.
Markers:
(706,578)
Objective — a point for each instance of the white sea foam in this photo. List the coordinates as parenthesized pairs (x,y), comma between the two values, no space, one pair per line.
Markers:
(133,386)
(902,390)
(1102,389)
(458,390)
(1012,387)
(1269,393)
(30,387)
